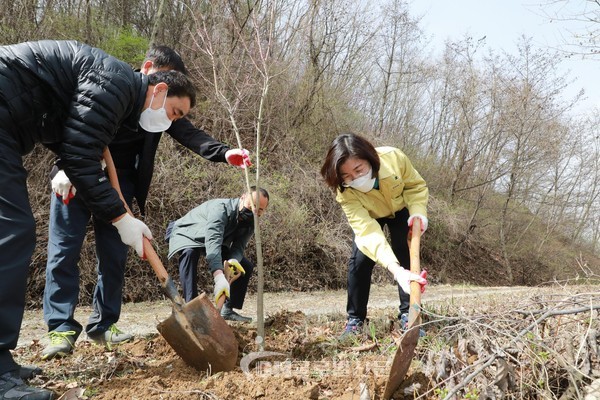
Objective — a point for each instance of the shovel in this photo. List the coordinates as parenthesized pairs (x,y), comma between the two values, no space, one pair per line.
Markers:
(406,350)
(195,330)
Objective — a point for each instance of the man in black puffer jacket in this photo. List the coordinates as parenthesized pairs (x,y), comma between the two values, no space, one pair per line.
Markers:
(72,98)
(69,220)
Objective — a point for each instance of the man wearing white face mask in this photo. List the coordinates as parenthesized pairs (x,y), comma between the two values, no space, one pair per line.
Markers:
(71,98)
(376,187)
(155,120)
(133,153)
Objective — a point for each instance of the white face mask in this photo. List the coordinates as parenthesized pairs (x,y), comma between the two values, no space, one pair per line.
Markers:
(363,183)
(155,120)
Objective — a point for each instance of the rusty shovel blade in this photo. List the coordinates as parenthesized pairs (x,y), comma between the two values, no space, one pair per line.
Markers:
(195,330)
(402,360)
(201,337)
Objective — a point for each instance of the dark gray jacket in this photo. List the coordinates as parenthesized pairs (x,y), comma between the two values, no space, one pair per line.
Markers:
(211,225)
(72,98)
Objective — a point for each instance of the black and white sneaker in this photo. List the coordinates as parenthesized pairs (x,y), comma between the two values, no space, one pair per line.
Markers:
(229,315)
(404,325)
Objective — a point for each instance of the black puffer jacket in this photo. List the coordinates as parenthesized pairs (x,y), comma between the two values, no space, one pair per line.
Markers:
(72,98)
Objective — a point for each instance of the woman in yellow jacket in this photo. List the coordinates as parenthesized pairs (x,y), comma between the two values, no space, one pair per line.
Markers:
(376,187)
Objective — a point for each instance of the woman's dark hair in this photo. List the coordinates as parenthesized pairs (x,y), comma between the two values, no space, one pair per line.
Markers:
(342,148)
(179,84)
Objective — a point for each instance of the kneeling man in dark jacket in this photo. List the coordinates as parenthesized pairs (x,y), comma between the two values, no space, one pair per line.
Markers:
(218,229)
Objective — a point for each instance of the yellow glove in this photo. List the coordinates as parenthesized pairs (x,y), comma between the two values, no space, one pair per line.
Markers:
(234,268)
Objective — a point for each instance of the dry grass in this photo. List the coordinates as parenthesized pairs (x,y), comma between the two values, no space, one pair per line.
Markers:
(541,344)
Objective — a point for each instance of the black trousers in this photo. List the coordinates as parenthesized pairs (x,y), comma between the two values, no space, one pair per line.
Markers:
(17,242)
(360,267)
(188,276)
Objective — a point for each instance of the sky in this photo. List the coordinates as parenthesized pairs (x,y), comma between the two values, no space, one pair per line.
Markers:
(503,22)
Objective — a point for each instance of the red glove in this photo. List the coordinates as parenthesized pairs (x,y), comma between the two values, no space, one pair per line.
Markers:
(238,158)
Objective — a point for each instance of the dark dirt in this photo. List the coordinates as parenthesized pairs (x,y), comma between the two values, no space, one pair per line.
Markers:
(303,326)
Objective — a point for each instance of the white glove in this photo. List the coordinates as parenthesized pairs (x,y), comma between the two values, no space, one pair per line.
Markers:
(238,157)
(404,277)
(424,221)
(61,185)
(132,231)
(221,287)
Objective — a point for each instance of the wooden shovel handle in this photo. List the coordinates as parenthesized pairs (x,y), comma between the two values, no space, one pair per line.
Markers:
(415,268)
(149,251)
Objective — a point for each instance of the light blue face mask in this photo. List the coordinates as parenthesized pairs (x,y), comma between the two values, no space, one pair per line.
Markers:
(155,120)
(363,183)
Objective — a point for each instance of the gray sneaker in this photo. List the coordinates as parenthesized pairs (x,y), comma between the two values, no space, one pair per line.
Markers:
(13,387)
(61,344)
(112,337)
(229,315)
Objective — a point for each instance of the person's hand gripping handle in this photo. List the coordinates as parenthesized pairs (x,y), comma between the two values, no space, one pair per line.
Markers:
(132,231)
(232,270)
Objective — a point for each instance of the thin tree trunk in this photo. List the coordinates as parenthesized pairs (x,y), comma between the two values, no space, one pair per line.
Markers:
(260,313)
(160,15)
(88,21)
(386,83)
(503,230)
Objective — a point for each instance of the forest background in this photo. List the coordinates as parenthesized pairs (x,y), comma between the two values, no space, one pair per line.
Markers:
(513,174)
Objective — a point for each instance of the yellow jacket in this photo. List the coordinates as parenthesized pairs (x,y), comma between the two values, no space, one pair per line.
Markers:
(400,185)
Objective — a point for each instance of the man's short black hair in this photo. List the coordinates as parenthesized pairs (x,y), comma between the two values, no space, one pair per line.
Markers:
(165,57)
(179,84)
(262,191)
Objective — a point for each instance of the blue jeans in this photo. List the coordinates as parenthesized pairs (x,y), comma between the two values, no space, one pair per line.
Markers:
(188,276)
(67,229)
(360,268)
(17,242)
